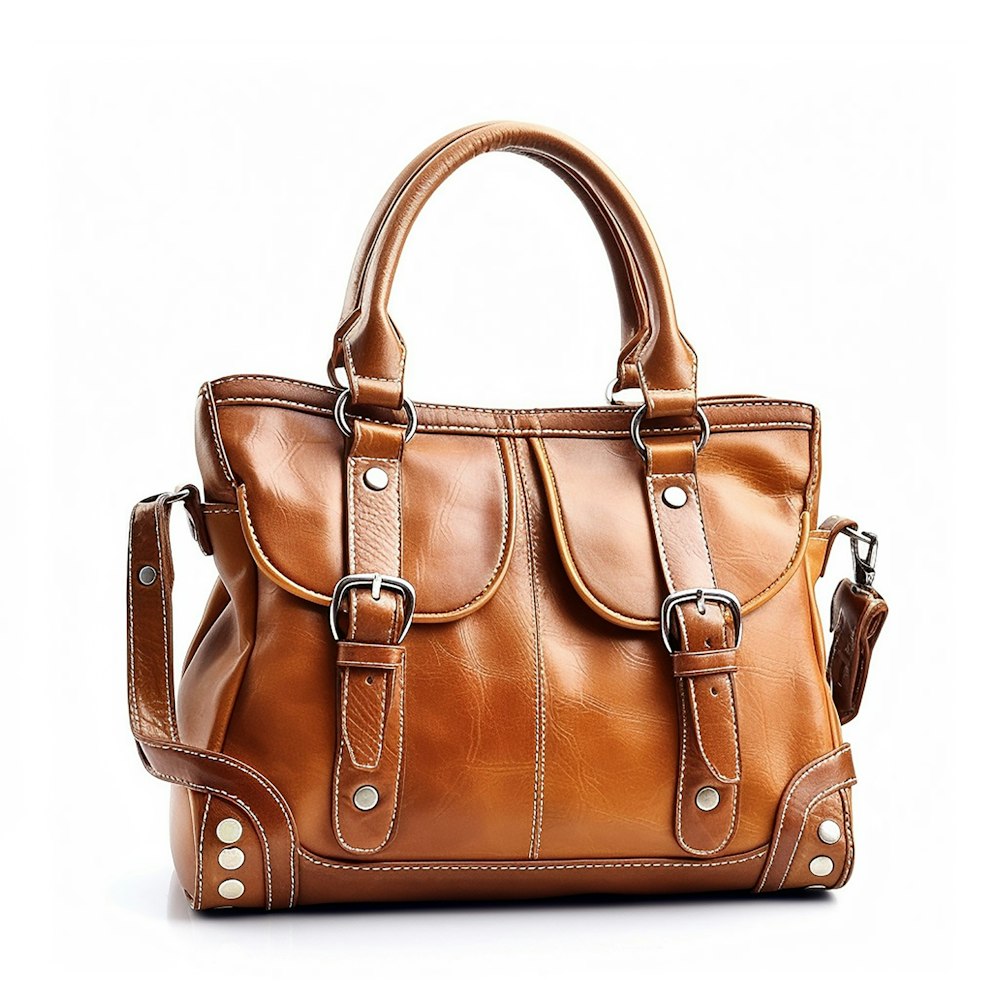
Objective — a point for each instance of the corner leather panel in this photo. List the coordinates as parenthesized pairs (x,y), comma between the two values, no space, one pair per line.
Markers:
(818,792)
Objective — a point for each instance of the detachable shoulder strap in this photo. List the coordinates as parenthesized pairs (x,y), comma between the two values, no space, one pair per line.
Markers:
(151,698)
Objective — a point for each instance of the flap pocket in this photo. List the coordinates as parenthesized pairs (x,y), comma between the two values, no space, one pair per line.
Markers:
(752,484)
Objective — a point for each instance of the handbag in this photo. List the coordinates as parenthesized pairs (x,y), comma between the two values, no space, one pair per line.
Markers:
(456,652)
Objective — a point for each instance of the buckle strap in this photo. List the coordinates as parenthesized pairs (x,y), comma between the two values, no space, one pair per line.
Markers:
(371,611)
(701,627)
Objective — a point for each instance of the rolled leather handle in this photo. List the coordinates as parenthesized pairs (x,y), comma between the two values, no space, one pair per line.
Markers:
(374,353)
(633,311)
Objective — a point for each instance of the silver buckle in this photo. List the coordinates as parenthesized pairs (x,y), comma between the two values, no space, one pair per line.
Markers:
(700,596)
(344,419)
(864,565)
(376,583)
(635,430)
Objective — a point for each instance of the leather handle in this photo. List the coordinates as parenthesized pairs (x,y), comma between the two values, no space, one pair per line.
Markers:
(632,308)
(374,352)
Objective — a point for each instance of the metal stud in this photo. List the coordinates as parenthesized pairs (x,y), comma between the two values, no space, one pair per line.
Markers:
(829,831)
(366,798)
(229,830)
(147,576)
(232,888)
(231,858)
(707,798)
(376,478)
(821,865)
(675,496)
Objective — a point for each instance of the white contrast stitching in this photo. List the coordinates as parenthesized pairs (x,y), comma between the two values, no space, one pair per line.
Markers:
(213,420)
(560,525)
(167,679)
(788,800)
(683,722)
(343,714)
(486,430)
(132,708)
(825,793)
(791,562)
(201,854)
(256,777)
(539,783)
(697,728)
(848,833)
(273,378)
(375,869)
(395,792)
(814,470)
(235,798)
(658,532)
(487,409)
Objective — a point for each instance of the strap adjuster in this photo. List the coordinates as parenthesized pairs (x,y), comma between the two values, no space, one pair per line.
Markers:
(376,583)
(699,596)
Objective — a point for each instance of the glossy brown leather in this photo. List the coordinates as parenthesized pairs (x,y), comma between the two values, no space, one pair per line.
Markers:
(857,615)
(374,353)
(530,734)
(632,307)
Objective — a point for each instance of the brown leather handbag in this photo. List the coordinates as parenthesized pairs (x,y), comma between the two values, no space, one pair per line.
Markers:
(457,652)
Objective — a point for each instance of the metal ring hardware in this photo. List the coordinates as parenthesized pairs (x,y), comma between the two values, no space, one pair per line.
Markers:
(344,419)
(612,389)
(635,430)
(700,596)
(376,583)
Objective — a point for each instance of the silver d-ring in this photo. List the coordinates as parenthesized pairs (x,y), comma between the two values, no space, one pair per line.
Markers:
(635,429)
(344,419)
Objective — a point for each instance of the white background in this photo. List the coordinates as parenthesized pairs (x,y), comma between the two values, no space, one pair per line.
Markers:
(183,187)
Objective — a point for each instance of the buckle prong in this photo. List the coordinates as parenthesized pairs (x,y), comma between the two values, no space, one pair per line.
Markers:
(699,596)
(376,583)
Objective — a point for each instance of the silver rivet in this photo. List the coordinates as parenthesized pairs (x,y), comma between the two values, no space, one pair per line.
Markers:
(376,478)
(707,798)
(829,831)
(366,798)
(821,865)
(147,576)
(675,496)
(229,831)
(232,888)
(231,858)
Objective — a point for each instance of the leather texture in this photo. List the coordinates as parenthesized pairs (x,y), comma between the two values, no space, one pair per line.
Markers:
(533,722)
